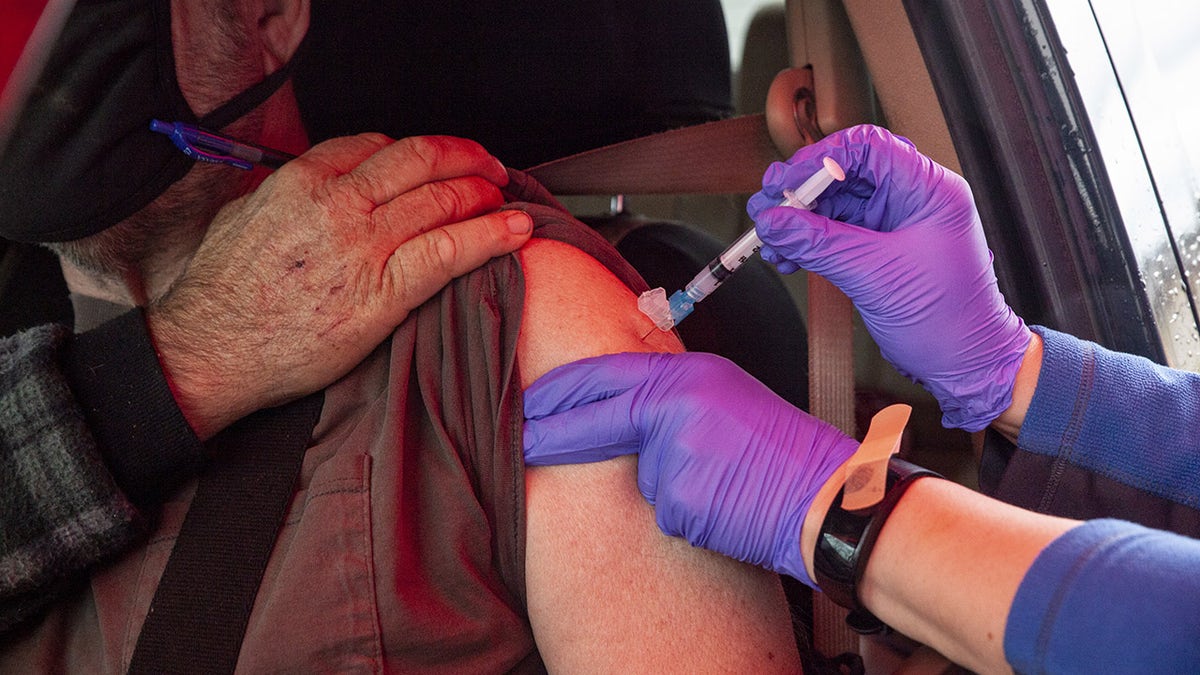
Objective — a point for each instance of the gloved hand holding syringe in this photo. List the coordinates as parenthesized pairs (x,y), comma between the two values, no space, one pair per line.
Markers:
(667,313)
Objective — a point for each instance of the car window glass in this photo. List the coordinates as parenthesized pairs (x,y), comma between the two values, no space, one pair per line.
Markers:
(1136,65)
(738,14)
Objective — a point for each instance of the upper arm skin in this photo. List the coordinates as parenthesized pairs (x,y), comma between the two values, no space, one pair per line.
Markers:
(607,590)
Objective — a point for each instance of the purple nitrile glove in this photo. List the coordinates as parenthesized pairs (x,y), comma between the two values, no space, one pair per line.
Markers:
(901,237)
(727,464)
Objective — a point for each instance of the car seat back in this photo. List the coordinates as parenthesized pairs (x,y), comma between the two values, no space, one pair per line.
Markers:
(536,81)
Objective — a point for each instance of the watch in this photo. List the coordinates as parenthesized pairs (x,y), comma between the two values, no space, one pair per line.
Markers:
(845,541)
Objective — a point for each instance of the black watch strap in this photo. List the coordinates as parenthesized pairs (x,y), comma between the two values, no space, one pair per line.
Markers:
(845,541)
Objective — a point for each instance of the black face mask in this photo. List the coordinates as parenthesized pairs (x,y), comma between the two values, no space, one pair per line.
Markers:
(81,157)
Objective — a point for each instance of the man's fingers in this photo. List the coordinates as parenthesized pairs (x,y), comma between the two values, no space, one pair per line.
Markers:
(435,204)
(405,187)
(409,163)
(424,264)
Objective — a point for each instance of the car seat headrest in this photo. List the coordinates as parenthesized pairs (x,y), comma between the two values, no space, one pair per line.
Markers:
(530,80)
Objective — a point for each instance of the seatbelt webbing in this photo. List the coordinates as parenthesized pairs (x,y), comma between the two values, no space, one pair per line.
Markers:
(727,156)
(198,616)
(831,398)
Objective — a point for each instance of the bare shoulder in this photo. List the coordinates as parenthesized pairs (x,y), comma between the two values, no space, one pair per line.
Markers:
(575,308)
(607,590)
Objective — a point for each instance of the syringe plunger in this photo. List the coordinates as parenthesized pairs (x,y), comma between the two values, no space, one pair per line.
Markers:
(804,196)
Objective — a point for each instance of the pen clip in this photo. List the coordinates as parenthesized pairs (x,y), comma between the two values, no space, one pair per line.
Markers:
(199,144)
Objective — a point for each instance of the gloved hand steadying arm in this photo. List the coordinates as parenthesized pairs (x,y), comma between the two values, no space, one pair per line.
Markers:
(902,238)
(727,464)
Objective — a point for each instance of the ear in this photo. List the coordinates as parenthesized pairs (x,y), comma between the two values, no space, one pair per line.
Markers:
(282,25)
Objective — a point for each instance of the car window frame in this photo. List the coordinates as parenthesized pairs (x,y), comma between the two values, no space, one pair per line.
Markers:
(1028,148)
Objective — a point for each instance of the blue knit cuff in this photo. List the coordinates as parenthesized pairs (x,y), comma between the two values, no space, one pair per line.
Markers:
(1108,596)
(1118,415)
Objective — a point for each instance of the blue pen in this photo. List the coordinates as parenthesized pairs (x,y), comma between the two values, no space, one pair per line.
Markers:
(205,146)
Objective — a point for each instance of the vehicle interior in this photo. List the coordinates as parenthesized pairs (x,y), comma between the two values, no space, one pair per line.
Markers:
(993,90)
(596,73)
(985,89)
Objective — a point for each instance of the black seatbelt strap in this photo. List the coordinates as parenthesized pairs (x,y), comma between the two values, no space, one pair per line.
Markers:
(200,610)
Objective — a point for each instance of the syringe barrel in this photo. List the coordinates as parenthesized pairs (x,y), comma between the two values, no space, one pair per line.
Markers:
(706,281)
(741,250)
(748,244)
(723,266)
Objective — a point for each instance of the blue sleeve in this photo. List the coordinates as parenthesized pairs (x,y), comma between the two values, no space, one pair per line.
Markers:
(1109,596)
(1120,416)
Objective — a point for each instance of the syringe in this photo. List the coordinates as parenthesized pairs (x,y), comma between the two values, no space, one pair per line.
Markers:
(667,313)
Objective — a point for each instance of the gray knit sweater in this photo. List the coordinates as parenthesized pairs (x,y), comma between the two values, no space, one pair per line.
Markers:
(90,438)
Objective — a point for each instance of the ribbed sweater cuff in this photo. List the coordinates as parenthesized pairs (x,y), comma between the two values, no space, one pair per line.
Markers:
(119,384)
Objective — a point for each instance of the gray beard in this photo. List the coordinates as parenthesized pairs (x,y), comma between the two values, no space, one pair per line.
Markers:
(163,234)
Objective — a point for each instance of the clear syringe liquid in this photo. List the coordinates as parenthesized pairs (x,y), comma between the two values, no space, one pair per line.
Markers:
(666,313)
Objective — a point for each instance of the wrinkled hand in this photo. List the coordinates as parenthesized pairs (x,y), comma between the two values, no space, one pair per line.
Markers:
(727,464)
(298,281)
(902,238)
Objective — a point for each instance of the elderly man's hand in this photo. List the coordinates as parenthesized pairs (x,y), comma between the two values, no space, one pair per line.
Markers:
(297,282)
